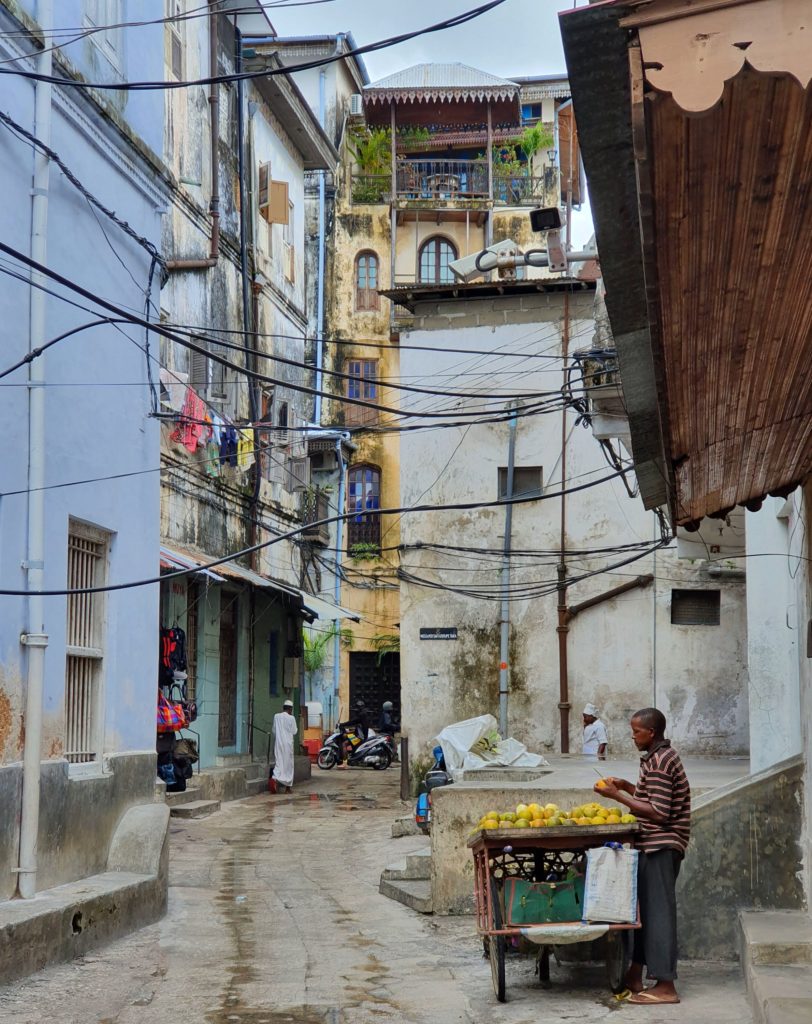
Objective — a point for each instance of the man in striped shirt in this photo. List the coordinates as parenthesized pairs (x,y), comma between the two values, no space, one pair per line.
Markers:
(662,802)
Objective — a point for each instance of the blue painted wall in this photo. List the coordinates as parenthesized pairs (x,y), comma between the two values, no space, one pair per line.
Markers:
(98,404)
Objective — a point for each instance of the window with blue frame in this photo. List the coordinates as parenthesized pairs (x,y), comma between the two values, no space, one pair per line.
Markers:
(363,495)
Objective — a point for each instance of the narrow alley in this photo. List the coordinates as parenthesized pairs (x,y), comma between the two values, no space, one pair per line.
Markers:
(275,918)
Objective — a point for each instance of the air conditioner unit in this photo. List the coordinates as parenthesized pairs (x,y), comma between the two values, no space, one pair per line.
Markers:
(356,105)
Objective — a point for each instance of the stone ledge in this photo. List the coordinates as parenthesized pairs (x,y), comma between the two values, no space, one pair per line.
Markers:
(67,921)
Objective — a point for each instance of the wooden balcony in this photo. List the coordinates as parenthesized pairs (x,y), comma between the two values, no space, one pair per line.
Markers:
(454,184)
(315,507)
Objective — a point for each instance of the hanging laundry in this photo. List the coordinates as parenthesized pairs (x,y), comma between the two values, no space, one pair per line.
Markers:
(245,448)
(217,427)
(228,446)
(190,426)
(211,461)
(174,383)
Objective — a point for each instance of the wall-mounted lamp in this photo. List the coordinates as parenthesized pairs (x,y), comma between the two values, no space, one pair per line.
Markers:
(551,155)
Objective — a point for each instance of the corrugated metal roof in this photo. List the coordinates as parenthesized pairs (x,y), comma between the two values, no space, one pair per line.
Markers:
(442,76)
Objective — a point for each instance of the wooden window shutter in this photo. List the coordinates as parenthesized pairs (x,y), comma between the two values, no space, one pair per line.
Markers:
(278,204)
(198,371)
(263,189)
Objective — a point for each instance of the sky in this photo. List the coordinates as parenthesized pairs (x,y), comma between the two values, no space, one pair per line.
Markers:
(521,37)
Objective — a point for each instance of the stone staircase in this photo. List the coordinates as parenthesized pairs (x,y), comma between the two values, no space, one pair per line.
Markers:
(409,881)
(776,958)
(206,791)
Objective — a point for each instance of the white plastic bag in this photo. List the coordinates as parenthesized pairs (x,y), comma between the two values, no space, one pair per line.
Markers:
(610,887)
(458,739)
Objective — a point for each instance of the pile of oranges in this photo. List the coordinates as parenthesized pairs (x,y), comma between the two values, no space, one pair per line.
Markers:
(551,815)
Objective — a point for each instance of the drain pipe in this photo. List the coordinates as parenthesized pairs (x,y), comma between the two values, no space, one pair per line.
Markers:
(35,639)
(342,471)
(562,629)
(504,619)
(214,116)
(321,262)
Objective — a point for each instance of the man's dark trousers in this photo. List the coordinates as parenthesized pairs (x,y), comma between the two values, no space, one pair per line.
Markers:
(655,944)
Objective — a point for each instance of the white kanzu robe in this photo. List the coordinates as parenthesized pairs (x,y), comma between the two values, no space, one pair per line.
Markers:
(284,729)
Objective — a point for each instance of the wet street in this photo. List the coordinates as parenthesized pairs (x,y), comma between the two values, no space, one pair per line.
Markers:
(275,918)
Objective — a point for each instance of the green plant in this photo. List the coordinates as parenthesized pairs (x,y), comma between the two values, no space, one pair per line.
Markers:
(385,643)
(363,551)
(315,645)
(410,138)
(534,138)
(372,149)
(367,192)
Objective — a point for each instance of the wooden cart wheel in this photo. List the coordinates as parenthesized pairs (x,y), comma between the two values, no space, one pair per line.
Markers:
(617,960)
(496,946)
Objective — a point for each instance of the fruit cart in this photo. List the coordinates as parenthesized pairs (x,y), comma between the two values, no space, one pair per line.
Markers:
(540,855)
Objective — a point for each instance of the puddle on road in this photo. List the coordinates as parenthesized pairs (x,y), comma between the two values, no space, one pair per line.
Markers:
(292,1015)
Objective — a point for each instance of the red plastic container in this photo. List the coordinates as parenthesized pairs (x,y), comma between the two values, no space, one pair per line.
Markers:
(312,747)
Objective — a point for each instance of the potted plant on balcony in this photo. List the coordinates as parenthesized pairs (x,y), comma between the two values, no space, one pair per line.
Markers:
(371,149)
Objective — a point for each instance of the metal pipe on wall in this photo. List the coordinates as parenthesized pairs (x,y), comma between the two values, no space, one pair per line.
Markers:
(504,618)
(342,477)
(321,261)
(214,118)
(34,638)
(562,629)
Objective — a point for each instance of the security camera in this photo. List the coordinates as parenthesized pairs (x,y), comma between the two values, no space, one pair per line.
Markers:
(466,268)
(546,218)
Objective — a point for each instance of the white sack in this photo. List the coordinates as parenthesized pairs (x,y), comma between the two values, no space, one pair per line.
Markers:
(459,739)
(610,887)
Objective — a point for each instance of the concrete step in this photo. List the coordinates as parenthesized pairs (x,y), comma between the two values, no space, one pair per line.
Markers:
(413,894)
(780,995)
(255,786)
(416,867)
(775,938)
(256,770)
(186,797)
(195,809)
(405,826)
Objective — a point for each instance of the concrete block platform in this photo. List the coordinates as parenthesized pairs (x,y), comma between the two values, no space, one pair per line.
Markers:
(776,937)
(68,920)
(414,894)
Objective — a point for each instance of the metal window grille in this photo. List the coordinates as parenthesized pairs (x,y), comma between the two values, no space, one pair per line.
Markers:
(695,607)
(363,495)
(87,559)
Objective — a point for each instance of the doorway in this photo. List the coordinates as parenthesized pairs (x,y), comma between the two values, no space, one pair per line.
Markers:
(373,683)
(227,720)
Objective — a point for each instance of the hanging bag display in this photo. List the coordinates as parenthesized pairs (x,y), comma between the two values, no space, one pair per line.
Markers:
(610,893)
(171,717)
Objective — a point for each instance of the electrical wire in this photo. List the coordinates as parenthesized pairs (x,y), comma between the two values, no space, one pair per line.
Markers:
(382,44)
(451,507)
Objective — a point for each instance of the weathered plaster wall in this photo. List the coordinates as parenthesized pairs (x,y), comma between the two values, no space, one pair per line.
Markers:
(78,816)
(802,550)
(97,420)
(699,679)
(745,853)
(773,632)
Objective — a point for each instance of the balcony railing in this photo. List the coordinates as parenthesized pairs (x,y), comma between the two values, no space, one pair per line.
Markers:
(463,181)
(315,507)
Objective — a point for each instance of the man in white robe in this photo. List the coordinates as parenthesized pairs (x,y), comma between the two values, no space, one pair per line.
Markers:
(284,729)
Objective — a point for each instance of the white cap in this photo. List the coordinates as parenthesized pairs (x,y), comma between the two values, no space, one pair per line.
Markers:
(590,709)
(288,704)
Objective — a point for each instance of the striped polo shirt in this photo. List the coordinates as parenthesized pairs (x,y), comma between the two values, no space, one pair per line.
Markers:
(664,784)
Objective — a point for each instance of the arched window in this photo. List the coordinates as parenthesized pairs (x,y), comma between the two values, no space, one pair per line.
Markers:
(363,494)
(366,281)
(435,255)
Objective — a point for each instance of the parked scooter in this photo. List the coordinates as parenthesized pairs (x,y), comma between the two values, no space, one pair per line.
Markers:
(378,751)
(436,776)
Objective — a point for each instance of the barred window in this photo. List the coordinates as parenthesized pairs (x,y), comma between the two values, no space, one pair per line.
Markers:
(87,567)
(363,495)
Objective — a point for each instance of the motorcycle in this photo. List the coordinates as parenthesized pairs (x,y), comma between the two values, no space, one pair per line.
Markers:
(435,777)
(377,751)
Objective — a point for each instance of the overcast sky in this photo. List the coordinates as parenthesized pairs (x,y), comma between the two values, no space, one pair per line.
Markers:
(520,37)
